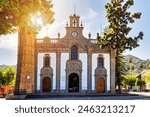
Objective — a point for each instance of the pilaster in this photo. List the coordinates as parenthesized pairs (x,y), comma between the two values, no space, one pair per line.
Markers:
(89,72)
(58,70)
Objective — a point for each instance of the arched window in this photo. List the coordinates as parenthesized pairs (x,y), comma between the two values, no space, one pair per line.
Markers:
(47,61)
(100,62)
(74,53)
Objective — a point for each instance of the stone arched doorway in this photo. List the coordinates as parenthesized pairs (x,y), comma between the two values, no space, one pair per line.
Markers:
(100,85)
(46,84)
(73,82)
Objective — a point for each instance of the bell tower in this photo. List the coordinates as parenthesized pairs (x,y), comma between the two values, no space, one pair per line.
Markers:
(74,29)
(74,20)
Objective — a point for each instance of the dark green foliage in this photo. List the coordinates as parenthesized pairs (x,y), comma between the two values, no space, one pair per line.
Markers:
(141,66)
(131,82)
(119,17)
(130,60)
(141,83)
(116,35)
(122,68)
(1,77)
(132,68)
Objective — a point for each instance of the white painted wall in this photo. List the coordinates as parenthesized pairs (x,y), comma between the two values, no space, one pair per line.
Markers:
(64,58)
(94,65)
(83,58)
(40,65)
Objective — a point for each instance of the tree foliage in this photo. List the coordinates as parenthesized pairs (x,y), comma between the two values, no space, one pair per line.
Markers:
(141,83)
(7,76)
(119,17)
(15,14)
(116,37)
(129,80)
(122,69)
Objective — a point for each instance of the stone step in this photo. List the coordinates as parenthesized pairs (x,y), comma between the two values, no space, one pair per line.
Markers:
(52,95)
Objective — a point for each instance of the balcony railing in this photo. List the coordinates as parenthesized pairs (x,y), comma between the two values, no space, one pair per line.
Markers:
(56,41)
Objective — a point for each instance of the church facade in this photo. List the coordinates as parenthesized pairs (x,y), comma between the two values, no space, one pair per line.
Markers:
(73,44)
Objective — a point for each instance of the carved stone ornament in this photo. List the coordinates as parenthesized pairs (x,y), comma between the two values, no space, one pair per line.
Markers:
(72,65)
(100,72)
(46,71)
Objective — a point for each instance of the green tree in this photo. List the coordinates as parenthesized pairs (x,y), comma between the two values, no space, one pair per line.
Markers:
(117,37)
(1,77)
(148,65)
(122,70)
(21,16)
(141,84)
(130,67)
(16,14)
(7,76)
(130,60)
(141,66)
(129,81)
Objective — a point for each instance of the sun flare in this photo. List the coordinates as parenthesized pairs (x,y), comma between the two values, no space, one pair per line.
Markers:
(36,20)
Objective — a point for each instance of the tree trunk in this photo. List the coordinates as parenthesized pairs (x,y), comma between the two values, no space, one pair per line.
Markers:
(19,60)
(117,70)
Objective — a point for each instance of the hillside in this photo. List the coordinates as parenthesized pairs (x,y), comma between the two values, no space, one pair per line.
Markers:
(136,62)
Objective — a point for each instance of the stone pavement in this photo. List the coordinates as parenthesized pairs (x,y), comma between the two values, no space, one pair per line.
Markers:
(129,96)
(98,98)
(141,93)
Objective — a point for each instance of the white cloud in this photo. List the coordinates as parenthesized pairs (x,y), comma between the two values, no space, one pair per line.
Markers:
(90,14)
(9,41)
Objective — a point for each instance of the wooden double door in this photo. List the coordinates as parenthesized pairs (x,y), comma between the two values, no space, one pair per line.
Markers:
(100,85)
(46,85)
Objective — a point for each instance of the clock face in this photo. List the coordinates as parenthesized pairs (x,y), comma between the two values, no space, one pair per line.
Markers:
(74,34)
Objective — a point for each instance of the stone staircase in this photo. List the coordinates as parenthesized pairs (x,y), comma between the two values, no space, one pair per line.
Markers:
(61,95)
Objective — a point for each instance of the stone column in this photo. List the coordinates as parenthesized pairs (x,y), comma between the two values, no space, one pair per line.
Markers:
(80,81)
(89,72)
(67,80)
(112,71)
(58,70)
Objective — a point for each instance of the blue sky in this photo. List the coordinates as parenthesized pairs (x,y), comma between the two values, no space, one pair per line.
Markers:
(92,13)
